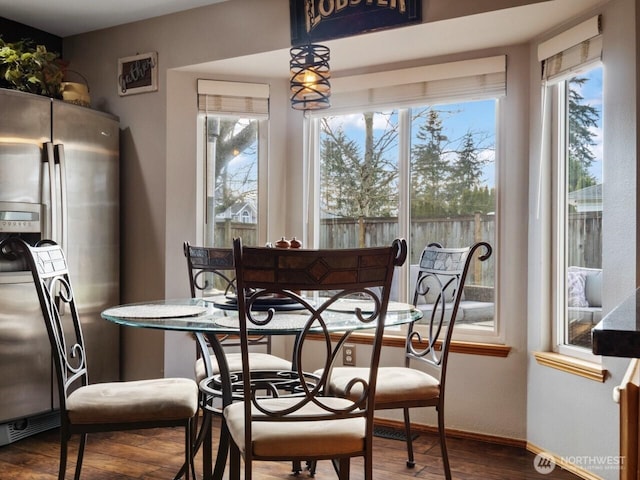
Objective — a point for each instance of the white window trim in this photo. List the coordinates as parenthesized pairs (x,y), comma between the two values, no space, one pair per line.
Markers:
(432,73)
(579,49)
(235,99)
(558,159)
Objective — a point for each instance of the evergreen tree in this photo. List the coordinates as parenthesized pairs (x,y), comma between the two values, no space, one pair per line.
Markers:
(581,118)
(359,180)
(466,173)
(430,169)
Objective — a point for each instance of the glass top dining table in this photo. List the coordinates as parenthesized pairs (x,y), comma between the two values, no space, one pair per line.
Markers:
(215,316)
(204,315)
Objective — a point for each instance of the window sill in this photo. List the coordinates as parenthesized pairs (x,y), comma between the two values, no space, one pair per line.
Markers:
(469,348)
(574,366)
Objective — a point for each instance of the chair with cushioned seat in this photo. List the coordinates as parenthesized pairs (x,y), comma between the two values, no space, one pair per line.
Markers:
(307,425)
(440,283)
(101,407)
(212,275)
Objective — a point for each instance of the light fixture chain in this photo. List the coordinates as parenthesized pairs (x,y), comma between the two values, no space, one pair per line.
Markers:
(310,14)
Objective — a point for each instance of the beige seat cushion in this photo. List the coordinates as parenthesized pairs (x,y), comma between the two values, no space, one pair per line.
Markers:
(135,401)
(257,361)
(393,384)
(306,439)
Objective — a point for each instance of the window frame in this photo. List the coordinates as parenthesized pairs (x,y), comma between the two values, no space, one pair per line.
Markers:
(312,162)
(262,174)
(559,157)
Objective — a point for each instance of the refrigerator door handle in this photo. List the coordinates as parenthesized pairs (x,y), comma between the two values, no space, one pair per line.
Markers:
(62,172)
(52,158)
(53,199)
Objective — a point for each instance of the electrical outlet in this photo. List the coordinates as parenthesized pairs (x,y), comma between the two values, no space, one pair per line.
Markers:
(349,354)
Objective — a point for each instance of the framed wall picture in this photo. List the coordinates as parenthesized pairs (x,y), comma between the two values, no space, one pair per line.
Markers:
(138,74)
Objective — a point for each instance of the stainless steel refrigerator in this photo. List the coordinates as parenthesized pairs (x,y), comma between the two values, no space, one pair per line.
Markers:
(59,179)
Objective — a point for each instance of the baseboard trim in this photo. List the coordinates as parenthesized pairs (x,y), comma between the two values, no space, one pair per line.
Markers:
(481,437)
(569,467)
(453,433)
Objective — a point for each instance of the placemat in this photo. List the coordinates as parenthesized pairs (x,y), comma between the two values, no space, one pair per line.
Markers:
(156,311)
(346,305)
(282,321)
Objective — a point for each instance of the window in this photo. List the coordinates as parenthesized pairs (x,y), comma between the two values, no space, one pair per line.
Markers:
(234,123)
(359,180)
(231,180)
(572,77)
(579,209)
(422,170)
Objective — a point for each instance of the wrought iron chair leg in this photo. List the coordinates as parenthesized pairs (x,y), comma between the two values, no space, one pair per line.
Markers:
(64,439)
(223,449)
(188,456)
(196,442)
(443,443)
(234,463)
(342,466)
(83,442)
(368,466)
(191,428)
(407,430)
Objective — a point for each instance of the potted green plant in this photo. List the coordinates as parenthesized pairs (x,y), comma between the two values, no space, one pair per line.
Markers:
(30,68)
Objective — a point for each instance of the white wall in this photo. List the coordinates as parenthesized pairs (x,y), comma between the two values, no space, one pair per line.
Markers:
(510,397)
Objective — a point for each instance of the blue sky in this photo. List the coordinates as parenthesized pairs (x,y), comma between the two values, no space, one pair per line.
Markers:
(591,91)
(480,117)
(457,119)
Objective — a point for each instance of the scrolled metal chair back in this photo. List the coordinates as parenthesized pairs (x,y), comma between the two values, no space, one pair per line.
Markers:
(440,283)
(50,273)
(212,273)
(210,268)
(329,279)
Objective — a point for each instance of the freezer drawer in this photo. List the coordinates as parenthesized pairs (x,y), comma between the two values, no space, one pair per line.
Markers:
(25,354)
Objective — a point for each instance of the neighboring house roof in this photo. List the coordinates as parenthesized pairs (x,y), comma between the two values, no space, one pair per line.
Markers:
(588,199)
(237,209)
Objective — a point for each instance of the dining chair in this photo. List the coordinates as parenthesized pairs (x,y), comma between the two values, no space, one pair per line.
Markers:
(212,275)
(100,407)
(301,423)
(440,284)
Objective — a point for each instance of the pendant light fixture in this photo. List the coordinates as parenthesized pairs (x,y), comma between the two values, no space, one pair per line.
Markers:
(310,74)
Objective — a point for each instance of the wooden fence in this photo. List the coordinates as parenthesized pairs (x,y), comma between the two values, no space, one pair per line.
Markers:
(227,230)
(458,232)
(585,240)
(585,230)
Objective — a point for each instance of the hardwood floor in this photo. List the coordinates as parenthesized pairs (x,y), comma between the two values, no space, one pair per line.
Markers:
(157,454)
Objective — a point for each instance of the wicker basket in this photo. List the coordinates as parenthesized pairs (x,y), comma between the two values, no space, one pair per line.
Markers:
(77,93)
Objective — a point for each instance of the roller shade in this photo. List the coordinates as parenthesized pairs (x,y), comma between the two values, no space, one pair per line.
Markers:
(571,51)
(455,81)
(233,98)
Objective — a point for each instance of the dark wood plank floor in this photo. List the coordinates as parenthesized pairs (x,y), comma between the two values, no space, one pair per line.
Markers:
(157,454)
